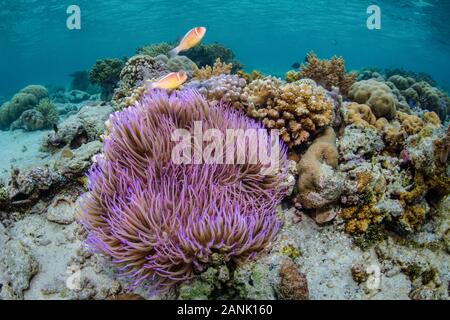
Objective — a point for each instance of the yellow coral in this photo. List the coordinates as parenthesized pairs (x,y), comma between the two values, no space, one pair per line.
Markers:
(298,110)
(363,178)
(358,219)
(359,115)
(207,72)
(431,118)
(413,217)
(249,77)
(392,132)
(411,124)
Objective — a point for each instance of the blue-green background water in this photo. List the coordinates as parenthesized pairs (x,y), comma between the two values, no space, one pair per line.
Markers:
(36,46)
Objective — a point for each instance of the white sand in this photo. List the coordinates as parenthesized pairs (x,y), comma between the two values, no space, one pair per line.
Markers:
(20,149)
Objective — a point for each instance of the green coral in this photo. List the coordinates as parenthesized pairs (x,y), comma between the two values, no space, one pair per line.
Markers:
(290,251)
(195,290)
(40,92)
(155,49)
(206,55)
(24,100)
(49,111)
(106,74)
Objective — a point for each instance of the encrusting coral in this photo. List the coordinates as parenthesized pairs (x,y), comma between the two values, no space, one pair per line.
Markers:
(296,109)
(163,221)
(327,73)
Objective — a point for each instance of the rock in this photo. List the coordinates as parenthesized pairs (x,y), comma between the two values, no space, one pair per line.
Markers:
(17,267)
(30,184)
(61,211)
(85,126)
(74,163)
(293,284)
(30,120)
(77,96)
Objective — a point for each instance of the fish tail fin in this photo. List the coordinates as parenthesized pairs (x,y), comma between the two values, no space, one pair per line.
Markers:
(173,52)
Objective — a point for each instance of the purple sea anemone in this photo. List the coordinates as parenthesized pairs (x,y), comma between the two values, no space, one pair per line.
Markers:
(162,221)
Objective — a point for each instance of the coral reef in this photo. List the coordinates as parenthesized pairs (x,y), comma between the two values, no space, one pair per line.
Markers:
(377,95)
(318,183)
(141,68)
(327,73)
(176,216)
(359,115)
(222,88)
(106,74)
(207,72)
(298,109)
(205,55)
(421,94)
(155,49)
(24,100)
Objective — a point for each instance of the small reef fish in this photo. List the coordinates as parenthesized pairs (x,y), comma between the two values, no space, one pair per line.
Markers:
(171,81)
(190,40)
(295,65)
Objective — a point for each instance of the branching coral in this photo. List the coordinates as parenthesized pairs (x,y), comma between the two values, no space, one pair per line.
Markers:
(49,111)
(327,73)
(377,95)
(164,221)
(318,184)
(217,69)
(106,74)
(297,109)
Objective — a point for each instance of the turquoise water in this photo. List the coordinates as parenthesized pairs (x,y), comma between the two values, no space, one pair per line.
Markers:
(36,46)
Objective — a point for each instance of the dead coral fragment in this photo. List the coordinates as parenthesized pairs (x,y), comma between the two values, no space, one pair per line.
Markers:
(327,73)
(207,72)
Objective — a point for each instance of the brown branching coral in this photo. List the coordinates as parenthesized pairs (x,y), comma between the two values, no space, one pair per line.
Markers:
(360,115)
(327,73)
(208,72)
(249,77)
(297,109)
(317,184)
